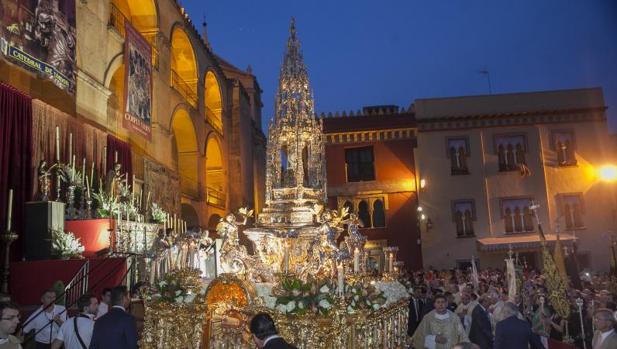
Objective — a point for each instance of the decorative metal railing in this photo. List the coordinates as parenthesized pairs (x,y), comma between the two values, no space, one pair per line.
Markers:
(187,90)
(215,197)
(78,286)
(117,21)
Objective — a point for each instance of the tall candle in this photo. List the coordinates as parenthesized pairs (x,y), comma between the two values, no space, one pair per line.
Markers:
(116,157)
(83,170)
(286,258)
(175,223)
(148,200)
(73,169)
(341,279)
(105,159)
(88,188)
(70,145)
(391,263)
(165,224)
(57,144)
(185,226)
(356,261)
(92,173)
(9,211)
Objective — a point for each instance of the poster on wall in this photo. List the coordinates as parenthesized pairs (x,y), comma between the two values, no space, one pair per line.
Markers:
(40,36)
(138,83)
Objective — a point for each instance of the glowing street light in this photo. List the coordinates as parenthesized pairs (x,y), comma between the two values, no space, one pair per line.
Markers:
(608,173)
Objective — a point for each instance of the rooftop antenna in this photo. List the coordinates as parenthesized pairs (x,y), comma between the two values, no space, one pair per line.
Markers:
(488,78)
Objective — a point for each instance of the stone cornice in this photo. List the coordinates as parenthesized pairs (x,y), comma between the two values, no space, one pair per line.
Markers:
(370,188)
(370,136)
(443,123)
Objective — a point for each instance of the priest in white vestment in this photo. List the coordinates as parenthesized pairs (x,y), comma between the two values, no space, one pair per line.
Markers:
(439,329)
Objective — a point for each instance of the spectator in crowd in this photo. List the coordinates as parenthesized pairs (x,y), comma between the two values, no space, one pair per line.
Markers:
(481,332)
(8,324)
(46,320)
(104,303)
(76,332)
(117,328)
(264,333)
(605,336)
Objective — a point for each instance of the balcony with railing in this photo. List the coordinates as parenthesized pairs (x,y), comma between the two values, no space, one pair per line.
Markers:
(185,88)
(117,20)
(214,120)
(215,197)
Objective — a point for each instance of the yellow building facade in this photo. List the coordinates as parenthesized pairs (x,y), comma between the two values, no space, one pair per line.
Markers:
(485,159)
(201,105)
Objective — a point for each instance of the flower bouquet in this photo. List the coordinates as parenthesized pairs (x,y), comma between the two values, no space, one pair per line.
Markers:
(294,296)
(363,296)
(180,287)
(158,215)
(65,245)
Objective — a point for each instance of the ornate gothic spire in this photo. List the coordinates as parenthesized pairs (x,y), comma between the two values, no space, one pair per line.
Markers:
(295,169)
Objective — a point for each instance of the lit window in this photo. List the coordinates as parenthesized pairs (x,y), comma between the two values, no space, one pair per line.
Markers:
(379,214)
(517,216)
(371,210)
(359,163)
(364,214)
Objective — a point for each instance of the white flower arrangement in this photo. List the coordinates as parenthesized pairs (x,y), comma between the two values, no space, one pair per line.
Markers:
(65,244)
(393,291)
(158,214)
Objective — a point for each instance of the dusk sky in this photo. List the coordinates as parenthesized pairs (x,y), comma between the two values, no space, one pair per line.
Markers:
(361,52)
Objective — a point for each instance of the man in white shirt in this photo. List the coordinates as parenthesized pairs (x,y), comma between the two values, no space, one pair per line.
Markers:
(46,320)
(76,332)
(605,336)
(104,304)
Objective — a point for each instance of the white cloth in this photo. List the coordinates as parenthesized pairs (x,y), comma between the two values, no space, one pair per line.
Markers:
(270,338)
(443,316)
(40,320)
(11,339)
(67,334)
(103,309)
(430,342)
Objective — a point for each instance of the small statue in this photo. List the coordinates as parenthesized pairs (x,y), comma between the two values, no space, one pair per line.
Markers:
(113,181)
(228,228)
(44,174)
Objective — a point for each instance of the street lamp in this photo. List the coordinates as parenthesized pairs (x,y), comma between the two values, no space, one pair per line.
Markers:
(607,173)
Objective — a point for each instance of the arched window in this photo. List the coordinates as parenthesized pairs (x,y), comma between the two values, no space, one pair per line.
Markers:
(577,216)
(528,219)
(460,225)
(462,160)
(509,220)
(510,158)
(520,155)
(567,212)
(501,154)
(349,206)
(379,214)
(468,223)
(561,152)
(518,220)
(364,214)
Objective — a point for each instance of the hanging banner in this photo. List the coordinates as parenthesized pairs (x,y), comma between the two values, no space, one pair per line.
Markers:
(41,36)
(138,83)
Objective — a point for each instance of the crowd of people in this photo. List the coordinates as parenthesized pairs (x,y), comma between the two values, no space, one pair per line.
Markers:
(451,309)
(459,309)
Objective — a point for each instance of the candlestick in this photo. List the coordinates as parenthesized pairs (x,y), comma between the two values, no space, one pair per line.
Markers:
(70,145)
(57,144)
(9,211)
(341,279)
(88,189)
(356,261)
(391,262)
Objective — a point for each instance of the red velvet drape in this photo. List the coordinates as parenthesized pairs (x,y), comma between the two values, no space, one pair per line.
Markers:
(16,171)
(124,156)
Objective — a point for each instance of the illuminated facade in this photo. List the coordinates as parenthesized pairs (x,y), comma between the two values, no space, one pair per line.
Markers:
(370,167)
(486,158)
(201,105)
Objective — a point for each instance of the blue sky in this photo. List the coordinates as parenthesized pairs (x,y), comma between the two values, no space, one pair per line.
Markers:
(361,52)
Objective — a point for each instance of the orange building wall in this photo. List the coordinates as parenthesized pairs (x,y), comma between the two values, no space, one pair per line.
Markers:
(394,163)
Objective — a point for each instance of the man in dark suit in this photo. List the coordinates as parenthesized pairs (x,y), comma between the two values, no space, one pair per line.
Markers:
(513,333)
(117,328)
(416,304)
(265,335)
(481,331)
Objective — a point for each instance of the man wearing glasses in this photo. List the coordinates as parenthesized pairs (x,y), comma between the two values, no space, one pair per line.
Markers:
(8,324)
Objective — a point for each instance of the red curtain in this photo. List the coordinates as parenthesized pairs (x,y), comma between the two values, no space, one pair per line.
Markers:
(16,171)
(114,145)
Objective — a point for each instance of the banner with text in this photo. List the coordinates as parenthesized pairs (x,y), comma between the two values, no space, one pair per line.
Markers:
(138,83)
(41,36)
